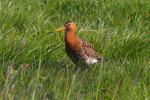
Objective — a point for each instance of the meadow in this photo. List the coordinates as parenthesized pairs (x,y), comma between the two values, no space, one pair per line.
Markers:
(35,66)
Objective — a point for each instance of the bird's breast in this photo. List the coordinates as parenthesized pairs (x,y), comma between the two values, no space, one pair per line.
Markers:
(72,42)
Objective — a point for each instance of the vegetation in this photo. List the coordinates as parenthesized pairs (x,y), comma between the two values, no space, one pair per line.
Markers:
(34,65)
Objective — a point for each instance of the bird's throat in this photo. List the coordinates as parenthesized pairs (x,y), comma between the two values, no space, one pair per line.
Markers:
(70,37)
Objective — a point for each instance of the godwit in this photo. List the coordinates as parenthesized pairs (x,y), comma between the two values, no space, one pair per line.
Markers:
(79,50)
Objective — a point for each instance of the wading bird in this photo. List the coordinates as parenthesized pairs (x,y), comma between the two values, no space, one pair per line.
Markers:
(79,50)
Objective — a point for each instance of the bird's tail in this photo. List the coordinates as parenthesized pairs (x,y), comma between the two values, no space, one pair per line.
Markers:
(103,59)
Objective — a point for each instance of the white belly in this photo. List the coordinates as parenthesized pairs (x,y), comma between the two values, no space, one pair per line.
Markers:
(91,60)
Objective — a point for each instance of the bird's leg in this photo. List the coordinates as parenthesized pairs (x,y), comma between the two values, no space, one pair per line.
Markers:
(86,70)
(76,67)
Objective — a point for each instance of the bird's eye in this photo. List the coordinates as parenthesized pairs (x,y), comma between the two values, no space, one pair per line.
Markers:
(69,24)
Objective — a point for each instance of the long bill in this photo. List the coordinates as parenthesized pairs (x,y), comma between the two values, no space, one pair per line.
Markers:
(62,28)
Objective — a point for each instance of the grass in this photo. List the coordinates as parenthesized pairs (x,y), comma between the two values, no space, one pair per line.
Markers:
(34,65)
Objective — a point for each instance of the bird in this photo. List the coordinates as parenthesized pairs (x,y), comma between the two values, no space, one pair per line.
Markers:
(80,51)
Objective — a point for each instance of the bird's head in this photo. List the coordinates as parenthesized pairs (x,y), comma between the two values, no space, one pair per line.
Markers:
(69,26)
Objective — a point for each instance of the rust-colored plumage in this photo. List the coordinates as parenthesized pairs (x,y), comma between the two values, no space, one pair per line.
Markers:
(79,50)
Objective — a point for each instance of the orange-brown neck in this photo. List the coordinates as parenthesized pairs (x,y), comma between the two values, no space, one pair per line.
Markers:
(70,37)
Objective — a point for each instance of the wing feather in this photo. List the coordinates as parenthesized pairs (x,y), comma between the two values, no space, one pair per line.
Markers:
(89,50)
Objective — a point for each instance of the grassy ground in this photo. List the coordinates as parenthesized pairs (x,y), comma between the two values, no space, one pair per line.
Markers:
(34,65)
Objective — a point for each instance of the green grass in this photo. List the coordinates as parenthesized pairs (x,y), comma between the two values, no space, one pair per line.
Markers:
(51,74)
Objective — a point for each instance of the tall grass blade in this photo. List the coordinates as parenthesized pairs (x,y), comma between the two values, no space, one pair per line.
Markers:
(78,96)
(117,85)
